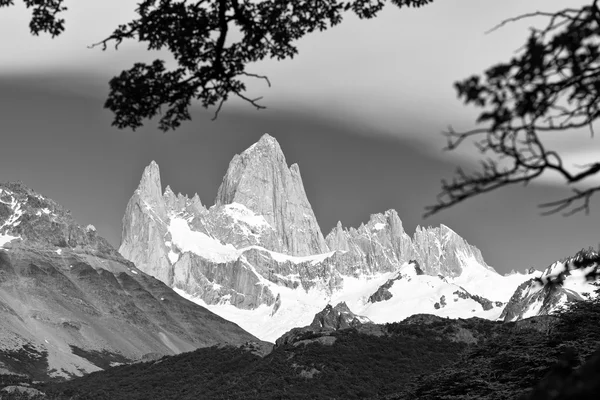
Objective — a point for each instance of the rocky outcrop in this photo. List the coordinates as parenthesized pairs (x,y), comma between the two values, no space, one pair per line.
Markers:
(26,215)
(22,392)
(328,320)
(338,317)
(383,292)
(486,304)
(69,303)
(260,179)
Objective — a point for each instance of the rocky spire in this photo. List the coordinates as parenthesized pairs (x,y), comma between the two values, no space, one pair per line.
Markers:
(150,187)
(142,238)
(260,179)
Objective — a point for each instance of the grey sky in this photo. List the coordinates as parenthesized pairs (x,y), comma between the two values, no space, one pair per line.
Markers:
(360,109)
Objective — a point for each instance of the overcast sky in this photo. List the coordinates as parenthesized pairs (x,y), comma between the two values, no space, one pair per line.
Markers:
(360,109)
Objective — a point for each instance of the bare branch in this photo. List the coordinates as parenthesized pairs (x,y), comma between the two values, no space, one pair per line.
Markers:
(257,76)
(519,18)
(552,85)
(583,196)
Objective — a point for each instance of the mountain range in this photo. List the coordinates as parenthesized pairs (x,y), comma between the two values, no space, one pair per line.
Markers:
(249,290)
(257,256)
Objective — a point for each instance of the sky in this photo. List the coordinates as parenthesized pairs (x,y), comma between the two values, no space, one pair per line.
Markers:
(360,109)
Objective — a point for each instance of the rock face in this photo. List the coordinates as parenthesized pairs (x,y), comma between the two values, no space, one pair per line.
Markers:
(379,245)
(338,317)
(383,292)
(260,179)
(70,303)
(562,282)
(260,244)
(142,238)
(442,251)
(383,245)
(328,320)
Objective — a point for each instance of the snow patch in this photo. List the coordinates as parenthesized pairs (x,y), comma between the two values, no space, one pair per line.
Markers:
(199,243)
(314,259)
(486,282)
(243,214)
(7,239)
(15,215)
(378,226)
(173,257)
(533,309)
(212,249)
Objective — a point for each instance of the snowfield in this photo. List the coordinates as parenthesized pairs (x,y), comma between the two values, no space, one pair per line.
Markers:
(411,294)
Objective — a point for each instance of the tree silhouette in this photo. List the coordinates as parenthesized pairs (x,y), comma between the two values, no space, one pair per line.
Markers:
(211,63)
(44,15)
(551,86)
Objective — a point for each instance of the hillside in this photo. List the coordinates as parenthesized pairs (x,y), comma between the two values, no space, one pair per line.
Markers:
(423,357)
(70,304)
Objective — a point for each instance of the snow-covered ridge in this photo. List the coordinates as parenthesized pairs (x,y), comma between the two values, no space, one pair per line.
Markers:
(572,279)
(210,248)
(199,243)
(411,294)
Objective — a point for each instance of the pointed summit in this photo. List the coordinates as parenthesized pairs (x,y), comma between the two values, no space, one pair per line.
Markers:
(144,216)
(150,186)
(260,179)
(266,143)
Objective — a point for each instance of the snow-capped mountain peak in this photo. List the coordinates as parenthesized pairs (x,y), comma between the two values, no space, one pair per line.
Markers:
(562,282)
(257,256)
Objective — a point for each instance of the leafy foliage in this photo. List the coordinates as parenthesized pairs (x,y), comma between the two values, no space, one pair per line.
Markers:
(356,365)
(212,42)
(515,357)
(45,15)
(212,65)
(550,86)
(577,331)
(27,360)
(424,357)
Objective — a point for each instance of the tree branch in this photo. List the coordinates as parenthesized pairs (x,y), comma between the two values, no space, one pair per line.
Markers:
(583,196)
(552,85)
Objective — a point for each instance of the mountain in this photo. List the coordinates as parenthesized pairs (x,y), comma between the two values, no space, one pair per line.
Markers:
(71,304)
(258,257)
(572,279)
(280,198)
